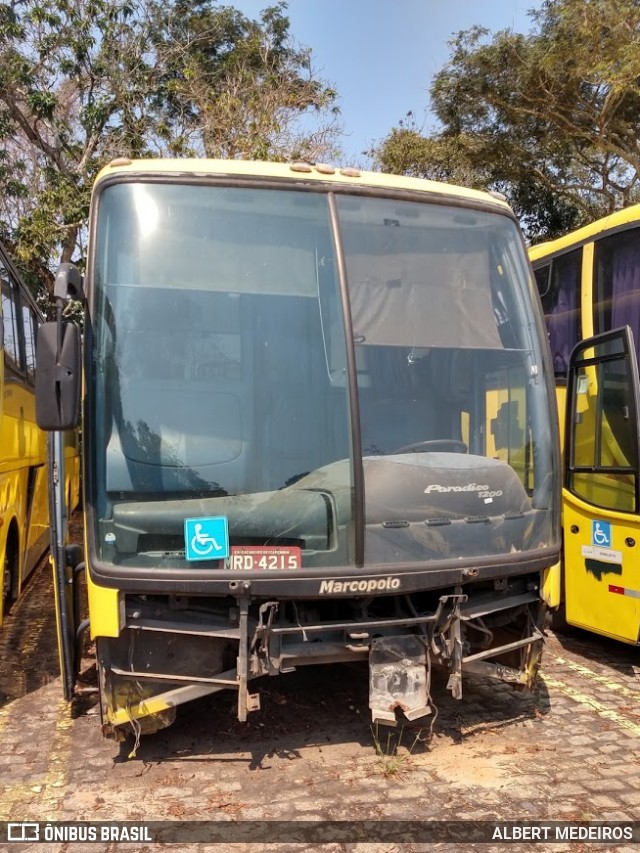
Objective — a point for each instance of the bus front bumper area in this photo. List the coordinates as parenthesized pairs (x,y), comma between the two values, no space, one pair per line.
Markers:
(168,654)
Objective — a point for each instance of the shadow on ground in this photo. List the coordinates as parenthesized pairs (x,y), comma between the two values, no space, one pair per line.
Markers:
(325,707)
(28,648)
(619,656)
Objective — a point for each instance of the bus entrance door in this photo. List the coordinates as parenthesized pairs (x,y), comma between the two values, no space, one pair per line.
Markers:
(601,519)
(66,562)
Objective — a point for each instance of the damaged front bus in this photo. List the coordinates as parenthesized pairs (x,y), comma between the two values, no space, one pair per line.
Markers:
(318,426)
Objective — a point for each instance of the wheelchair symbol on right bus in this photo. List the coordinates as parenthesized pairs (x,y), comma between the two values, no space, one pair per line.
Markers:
(601,533)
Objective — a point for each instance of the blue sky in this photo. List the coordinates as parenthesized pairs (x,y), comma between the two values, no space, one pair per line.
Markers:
(381,55)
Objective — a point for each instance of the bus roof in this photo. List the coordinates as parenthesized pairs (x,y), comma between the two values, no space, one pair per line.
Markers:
(295,172)
(586,233)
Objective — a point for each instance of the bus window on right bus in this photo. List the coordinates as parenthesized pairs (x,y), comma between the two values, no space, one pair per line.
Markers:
(604,453)
(616,296)
(559,288)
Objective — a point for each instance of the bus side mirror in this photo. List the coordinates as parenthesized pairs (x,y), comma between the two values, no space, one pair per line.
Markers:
(58,377)
(68,283)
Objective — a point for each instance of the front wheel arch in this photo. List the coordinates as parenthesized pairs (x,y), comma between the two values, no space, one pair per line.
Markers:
(11,567)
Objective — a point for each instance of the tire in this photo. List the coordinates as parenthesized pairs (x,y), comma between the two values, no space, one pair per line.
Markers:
(557,621)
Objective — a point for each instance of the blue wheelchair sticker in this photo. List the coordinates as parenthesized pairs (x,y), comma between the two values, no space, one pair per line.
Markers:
(206,538)
(601,533)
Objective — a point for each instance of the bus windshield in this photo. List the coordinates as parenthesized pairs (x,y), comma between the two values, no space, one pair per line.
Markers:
(255,350)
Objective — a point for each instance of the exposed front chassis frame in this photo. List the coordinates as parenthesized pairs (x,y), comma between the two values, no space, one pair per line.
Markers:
(400,652)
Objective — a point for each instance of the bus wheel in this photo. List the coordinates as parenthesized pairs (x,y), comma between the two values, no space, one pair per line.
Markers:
(10,570)
(7,581)
(557,621)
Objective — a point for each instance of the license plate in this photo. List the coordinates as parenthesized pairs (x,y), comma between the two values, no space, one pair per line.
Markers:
(269,558)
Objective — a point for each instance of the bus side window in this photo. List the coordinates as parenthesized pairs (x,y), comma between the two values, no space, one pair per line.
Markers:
(616,290)
(30,330)
(561,306)
(10,320)
(543,277)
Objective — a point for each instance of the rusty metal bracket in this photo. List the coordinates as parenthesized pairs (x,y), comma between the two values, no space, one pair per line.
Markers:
(261,663)
(242,667)
(446,641)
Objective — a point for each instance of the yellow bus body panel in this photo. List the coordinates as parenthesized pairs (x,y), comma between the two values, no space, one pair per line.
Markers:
(600,595)
(138,710)
(585,234)
(104,609)
(561,398)
(22,448)
(552,585)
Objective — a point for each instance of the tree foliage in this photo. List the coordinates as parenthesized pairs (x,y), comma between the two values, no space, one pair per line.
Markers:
(83,81)
(232,87)
(551,118)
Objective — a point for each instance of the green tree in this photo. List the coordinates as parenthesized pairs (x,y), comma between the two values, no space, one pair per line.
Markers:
(552,119)
(73,85)
(83,81)
(232,87)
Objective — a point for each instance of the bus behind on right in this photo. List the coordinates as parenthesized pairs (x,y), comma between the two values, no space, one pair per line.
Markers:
(589,284)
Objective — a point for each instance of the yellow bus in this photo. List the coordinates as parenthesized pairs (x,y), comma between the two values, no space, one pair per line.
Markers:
(589,283)
(24,512)
(318,426)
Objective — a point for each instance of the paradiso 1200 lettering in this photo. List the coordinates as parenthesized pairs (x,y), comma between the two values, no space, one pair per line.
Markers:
(483,491)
